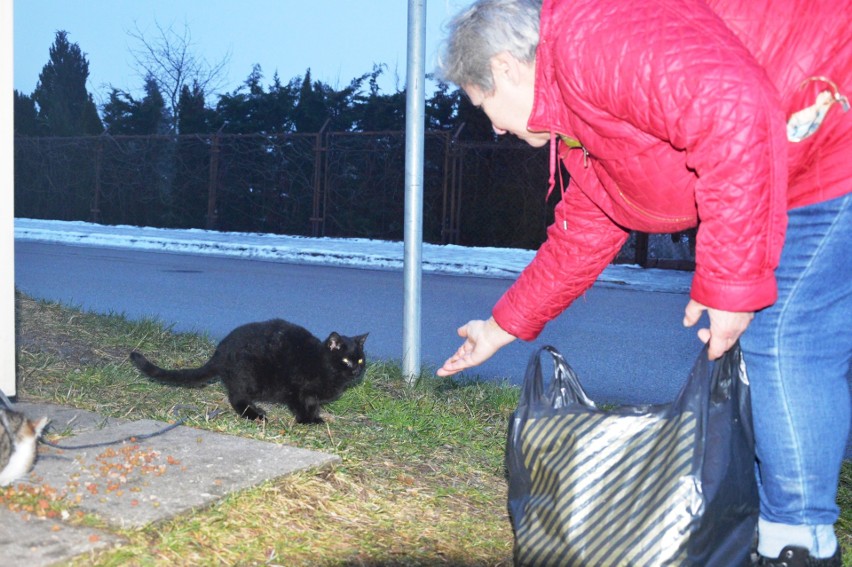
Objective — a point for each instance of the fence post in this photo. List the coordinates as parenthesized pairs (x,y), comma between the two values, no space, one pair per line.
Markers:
(318,210)
(452,195)
(446,234)
(96,204)
(213,184)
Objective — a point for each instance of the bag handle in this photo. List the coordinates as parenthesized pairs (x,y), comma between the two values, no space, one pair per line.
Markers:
(709,384)
(564,388)
(715,381)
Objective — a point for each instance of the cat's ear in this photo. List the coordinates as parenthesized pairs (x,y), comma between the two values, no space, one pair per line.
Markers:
(333,342)
(360,339)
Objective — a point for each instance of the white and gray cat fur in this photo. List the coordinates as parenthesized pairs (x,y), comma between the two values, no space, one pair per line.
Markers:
(18,444)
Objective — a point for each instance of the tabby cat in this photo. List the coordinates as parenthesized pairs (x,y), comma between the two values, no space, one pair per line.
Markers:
(18,444)
(274,361)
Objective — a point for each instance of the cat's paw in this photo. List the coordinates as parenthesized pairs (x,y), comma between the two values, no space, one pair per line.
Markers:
(310,420)
(251,414)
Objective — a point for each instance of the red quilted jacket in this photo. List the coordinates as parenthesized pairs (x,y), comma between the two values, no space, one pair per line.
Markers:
(670,112)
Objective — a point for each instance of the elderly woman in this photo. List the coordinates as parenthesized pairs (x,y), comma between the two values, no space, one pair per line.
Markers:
(727,115)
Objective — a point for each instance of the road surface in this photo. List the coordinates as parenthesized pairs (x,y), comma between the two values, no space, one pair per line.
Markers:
(628,346)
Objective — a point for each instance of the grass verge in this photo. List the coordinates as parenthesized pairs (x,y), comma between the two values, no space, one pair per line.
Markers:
(420,480)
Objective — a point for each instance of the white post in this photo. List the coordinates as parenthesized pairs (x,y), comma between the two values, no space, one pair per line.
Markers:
(7,209)
(415,126)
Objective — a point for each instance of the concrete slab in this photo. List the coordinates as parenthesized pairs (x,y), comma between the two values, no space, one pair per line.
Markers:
(37,542)
(64,419)
(137,482)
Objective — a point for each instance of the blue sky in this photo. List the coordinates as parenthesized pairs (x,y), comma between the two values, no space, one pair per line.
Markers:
(337,39)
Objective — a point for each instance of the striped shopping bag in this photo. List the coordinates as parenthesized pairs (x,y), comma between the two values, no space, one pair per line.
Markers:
(636,486)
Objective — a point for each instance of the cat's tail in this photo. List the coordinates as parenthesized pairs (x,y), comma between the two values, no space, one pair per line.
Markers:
(188,377)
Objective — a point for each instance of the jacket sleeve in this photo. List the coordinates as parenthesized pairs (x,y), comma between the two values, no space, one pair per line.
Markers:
(683,78)
(733,132)
(580,243)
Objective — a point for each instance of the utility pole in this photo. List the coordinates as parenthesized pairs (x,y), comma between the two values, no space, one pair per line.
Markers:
(415,126)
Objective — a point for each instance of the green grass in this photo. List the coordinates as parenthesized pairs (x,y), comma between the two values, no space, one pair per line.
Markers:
(420,481)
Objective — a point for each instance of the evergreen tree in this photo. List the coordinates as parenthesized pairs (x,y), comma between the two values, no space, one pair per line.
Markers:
(26,117)
(118,112)
(252,110)
(340,105)
(254,188)
(378,112)
(191,181)
(193,116)
(318,103)
(442,108)
(153,116)
(65,107)
(310,113)
(236,111)
(279,105)
(125,115)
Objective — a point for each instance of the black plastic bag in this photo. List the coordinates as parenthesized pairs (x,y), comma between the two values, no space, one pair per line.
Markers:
(639,486)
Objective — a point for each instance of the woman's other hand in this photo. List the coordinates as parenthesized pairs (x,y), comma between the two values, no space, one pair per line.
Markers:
(725,327)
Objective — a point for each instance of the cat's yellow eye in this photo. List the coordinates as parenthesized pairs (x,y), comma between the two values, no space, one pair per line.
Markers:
(360,361)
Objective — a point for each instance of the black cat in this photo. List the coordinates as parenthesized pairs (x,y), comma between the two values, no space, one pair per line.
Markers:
(274,361)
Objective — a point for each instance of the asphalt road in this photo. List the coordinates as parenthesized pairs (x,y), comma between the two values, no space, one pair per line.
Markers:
(627,346)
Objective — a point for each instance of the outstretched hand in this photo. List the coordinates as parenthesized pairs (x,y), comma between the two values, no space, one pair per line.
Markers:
(481,340)
(725,327)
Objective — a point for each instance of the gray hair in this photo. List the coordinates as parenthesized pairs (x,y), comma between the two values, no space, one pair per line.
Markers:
(483,30)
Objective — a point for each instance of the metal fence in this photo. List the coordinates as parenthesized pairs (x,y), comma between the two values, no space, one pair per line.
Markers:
(338,184)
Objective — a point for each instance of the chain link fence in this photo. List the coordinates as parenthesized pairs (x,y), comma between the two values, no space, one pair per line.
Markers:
(339,184)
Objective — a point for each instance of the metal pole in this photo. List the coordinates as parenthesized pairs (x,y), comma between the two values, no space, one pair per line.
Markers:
(415,125)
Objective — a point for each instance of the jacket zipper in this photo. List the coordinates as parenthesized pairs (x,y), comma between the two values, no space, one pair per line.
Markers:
(642,211)
(574,143)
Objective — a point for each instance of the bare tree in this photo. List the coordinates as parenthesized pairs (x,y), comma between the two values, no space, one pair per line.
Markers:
(169,59)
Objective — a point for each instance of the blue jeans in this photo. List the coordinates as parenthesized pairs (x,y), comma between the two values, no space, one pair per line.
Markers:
(797,355)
